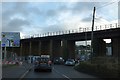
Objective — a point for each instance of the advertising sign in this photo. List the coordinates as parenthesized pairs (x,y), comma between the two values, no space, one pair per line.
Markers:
(10,39)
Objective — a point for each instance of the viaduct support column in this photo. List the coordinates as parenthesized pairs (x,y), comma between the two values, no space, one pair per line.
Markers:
(56,46)
(45,47)
(99,47)
(68,49)
(51,48)
(24,49)
(21,46)
(27,48)
(35,48)
(64,49)
(24,46)
(30,47)
(39,48)
(116,47)
(71,49)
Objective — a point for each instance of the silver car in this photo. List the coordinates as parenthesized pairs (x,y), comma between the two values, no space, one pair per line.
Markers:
(70,62)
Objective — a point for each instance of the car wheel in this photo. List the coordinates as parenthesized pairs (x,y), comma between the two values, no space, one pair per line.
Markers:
(35,70)
(50,70)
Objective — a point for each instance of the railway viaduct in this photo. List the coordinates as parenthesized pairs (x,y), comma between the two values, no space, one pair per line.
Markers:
(64,45)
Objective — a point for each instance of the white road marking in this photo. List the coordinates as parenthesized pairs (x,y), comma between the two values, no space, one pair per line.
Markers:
(61,74)
(25,74)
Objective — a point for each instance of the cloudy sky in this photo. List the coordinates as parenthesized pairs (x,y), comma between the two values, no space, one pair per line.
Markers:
(41,17)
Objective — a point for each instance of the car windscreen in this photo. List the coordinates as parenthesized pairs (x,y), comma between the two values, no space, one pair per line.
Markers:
(71,60)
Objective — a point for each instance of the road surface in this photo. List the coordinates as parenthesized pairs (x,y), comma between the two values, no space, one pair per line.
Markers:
(59,71)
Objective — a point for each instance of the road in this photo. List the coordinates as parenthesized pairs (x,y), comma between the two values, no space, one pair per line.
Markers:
(15,71)
(59,71)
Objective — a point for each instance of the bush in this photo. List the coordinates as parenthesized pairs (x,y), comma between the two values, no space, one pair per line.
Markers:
(104,70)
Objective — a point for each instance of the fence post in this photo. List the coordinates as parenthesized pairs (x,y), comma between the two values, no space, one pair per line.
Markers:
(79,29)
(100,27)
(116,25)
(96,28)
(105,26)
(110,25)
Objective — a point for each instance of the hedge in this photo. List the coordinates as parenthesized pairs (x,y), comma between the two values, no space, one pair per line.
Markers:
(103,70)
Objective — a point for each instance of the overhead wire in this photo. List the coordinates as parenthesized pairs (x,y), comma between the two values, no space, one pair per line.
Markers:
(105,5)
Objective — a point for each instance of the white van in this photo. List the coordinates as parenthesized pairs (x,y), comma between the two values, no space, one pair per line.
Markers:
(31,59)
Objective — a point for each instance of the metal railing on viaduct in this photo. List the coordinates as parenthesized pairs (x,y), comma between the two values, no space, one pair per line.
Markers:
(79,30)
(63,43)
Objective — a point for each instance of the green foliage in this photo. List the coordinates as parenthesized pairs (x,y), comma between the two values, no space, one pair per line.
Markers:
(104,60)
(100,68)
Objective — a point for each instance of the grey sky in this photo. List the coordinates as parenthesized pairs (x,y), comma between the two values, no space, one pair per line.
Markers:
(42,17)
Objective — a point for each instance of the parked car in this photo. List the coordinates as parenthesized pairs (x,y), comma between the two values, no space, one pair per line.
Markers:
(85,57)
(43,64)
(58,60)
(70,62)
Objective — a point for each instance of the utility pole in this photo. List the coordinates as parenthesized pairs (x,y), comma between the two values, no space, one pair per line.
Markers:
(92,33)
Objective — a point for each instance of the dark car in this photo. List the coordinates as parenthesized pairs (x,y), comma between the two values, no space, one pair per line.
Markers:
(58,60)
(43,64)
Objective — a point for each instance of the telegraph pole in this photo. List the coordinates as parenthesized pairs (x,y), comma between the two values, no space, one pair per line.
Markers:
(92,33)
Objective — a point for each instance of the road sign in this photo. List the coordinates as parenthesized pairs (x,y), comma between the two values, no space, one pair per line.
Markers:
(10,39)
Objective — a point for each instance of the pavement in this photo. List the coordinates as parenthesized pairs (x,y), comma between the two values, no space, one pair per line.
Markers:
(16,71)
